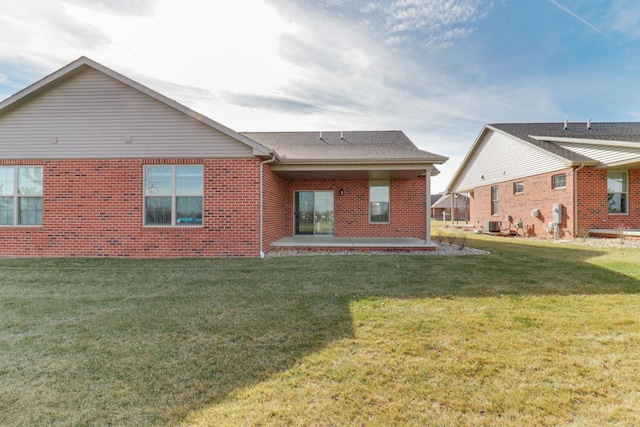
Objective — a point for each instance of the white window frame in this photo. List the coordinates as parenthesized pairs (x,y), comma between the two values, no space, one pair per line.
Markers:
(372,200)
(624,193)
(18,197)
(515,187)
(495,203)
(173,194)
(553,181)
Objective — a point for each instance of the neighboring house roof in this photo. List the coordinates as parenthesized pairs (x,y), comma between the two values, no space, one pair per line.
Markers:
(531,148)
(82,64)
(444,201)
(436,197)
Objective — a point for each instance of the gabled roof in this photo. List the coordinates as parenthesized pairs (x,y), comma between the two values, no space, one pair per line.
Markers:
(81,64)
(387,150)
(344,147)
(572,144)
(444,201)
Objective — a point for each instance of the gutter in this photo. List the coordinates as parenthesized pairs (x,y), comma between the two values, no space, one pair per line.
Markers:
(262,163)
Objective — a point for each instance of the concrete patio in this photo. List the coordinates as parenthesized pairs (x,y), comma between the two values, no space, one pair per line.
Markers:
(352,243)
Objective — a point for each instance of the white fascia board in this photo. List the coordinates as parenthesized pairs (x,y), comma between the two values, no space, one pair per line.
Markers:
(353,166)
(608,143)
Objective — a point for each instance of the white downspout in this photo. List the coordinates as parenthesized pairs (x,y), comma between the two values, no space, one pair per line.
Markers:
(575,199)
(427,188)
(262,163)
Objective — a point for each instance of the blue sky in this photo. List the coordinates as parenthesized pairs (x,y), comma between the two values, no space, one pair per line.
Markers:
(436,69)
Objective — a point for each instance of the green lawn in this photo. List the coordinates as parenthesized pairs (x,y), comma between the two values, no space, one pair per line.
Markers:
(531,334)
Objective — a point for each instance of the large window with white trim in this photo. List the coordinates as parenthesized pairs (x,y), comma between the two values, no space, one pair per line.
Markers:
(379,198)
(617,192)
(173,195)
(21,195)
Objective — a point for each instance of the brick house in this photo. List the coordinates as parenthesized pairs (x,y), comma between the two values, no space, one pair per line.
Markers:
(553,179)
(95,164)
(446,203)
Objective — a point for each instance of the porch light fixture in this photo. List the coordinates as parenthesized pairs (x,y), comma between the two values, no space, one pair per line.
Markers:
(341,192)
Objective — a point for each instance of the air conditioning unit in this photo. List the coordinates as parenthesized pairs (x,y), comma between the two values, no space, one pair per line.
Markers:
(492,226)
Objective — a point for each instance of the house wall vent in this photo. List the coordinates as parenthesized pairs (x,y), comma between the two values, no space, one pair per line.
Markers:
(492,226)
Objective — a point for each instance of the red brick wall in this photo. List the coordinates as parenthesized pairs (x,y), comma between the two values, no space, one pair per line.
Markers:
(273,210)
(537,194)
(94,208)
(408,209)
(592,204)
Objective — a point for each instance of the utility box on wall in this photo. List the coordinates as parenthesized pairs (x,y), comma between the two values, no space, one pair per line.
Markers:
(556,213)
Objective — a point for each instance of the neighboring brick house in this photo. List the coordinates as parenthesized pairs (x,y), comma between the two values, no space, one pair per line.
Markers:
(442,206)
(95,164)
(554,179)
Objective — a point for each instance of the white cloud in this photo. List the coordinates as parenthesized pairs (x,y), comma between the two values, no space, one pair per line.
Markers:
(429,17)
(42,32)
(223,44)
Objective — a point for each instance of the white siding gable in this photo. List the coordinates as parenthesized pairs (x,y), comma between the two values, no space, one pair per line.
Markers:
(95,116)
(499,157)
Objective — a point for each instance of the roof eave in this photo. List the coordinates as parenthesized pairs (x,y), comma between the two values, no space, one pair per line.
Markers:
(350,161)
(609,143)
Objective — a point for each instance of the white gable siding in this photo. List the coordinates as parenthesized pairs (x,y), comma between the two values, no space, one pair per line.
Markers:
(607,155)
(499,157)
(95,116)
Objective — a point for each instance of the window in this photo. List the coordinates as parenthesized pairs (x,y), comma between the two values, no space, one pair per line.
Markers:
(173,195)
(617,192)
(379,201)
(494,200)
(21,195)
(558,181)
(518,187)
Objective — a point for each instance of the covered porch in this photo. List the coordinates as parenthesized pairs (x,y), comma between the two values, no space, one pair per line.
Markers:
(331,243)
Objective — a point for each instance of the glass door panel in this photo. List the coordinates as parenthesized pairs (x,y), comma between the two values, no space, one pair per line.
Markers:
(313,213)
(323,213)
(303,212)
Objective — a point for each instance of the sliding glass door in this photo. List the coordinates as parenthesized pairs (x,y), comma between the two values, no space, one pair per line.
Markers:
(313,212)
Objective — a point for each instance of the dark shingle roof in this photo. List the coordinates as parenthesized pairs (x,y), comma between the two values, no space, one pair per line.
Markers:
(343,146)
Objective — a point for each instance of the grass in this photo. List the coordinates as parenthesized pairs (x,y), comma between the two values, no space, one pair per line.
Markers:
(532,334)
